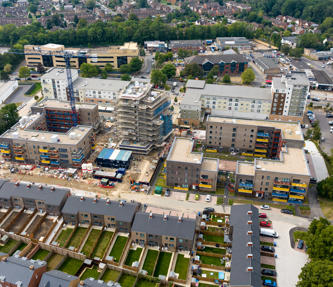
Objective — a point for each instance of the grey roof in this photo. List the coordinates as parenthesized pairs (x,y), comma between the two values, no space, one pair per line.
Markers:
(290,38)
(91,282)
(158,226)
(322,77)
(267,63)
(17,269)
(297,78)
(185,43)
(195,84)
(239,218)
(300,65)
(109,85)
(233,41)
(216,59)
(51,197)
(55,278)
(57,74)
(124,212)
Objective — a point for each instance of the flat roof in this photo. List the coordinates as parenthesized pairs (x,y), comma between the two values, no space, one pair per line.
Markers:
(227,165)
(53,103)
(267,63)
(290,130)
(195,84)
(245,168)
(57,74)
(322,77)
(181,151)
(109,85)
(210,164)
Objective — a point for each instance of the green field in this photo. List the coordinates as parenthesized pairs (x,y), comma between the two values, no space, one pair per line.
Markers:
(214,250)
(91,241)
(21,246)
(126,280)
(118,248)
(40,254)
(53,261)
(77,237)
(211,260)
(213,238)
(145,283)
(102,244)
(71,266)
(90,272)
(110,275)
(8,246)
(182,266)
(267,266)
(133,255)
(210,274)
(37,87)
(150,260)
(163,263)
(63,236)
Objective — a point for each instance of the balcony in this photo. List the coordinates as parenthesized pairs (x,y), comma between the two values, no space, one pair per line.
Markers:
(205,185)
(247,185)
(259,155)
(298,184)
(281,182)
(262,134)
(43,150)
(247,154)
(297,190)
(45,161)
(5,151)
(281,188)
(19,158)
(262,140)
(242,190)
(4,145)
(55,162)
(293,196)
(260,150)
(44,156)
(282,195)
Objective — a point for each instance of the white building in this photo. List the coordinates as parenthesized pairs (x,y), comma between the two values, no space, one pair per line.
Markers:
(7,89)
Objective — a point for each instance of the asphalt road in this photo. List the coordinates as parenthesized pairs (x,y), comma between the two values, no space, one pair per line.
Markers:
(147,64)
(327,145)
(317,65)
(18,96)
(260,78)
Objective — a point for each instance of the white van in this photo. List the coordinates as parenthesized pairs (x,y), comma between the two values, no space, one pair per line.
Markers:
(268,232)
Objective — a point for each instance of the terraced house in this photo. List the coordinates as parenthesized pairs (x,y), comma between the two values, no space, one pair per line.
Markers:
(112,214)
(175,233)
(31,196)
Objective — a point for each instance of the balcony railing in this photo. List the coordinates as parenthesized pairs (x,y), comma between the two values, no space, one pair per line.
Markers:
(283,195)
(247,185)
(262,134)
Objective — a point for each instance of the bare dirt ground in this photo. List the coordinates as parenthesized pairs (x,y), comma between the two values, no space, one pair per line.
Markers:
(21,221)
(44,228)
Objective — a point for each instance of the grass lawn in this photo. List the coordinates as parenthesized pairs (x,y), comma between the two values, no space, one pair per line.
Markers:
(90,272)
(37,87)
(21,246)
(133,255)
(71,266)
(126,280)
(102,244)
(299,235)
(54,261)
(305,210)
(145,283)
(110,275)
(215,250)
(90,243)
(327,207)
(77,237)
(211,260)
(63,236)
(267,266)
(40,254)
(213,238)
(118,248)
(215,218)
(210,274)
(182,266)
(163,263)
(266,243)
(150,260)
(8,246)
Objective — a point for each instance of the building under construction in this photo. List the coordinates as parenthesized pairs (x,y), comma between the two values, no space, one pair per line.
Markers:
(144,120)
(48,135)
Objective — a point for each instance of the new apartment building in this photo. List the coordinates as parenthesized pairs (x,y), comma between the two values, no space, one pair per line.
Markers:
(188,169)
(223,101)
(144,120)
(43,198)
(290,93)
(52,55)
(256,138)
(48,137)
(108,213)
(175,233)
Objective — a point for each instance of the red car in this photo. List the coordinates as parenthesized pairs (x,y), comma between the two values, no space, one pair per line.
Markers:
(262,215)
(266,223)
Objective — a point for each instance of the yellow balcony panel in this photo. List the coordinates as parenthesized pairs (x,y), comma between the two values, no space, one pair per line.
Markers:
(211,150)
(5,151)
(260,155)
(205,185)
(299,184)
(249,191)
(93,147)
(260,150)
(292,196)
(181,188)
(247,154)
(45,161)
(43,150)
(280,188)
(19,158)
(262,140)
(279,200)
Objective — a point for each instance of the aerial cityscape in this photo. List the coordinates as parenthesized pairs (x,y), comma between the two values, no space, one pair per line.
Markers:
(166,143)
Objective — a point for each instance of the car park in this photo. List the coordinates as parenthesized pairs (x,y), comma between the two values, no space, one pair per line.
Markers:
(266,223)
(262,215)
(268,248)
(300,244)
(265,207)
(268,272)
(268,282)
(208,198)
(286,211)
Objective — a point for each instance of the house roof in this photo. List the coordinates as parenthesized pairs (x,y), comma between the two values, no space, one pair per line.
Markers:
(185,43)
(76,204)
(216,59)
(46,193)
(267,63)
(239,218)
(322,77)
(55,278)
(156,225)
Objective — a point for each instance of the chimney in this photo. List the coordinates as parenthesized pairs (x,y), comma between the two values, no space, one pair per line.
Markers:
(249,269)
(250,243)
(250,255)
(249,212)
(53,188)
(150,215)
(17,183)
(82,198)
(249,232)
(28,185)
(165,217)
(249,222)
(40,186)
(108,201)
(95,199)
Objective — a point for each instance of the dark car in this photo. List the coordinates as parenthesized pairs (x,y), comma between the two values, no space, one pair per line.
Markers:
(329,115)
(268,248)
(286,211)
(268,272)
(208,210)
(300,244)
(167,193)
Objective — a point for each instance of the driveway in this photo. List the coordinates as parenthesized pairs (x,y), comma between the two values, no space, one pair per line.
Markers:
(18,96)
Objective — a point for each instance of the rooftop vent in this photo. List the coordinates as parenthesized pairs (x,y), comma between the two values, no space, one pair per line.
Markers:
(28,185)
(180,219)
(250,255)
(249,212)
(40,186)
(121,202)
(150,215)
(165,217)
(249,232)
(17,183)
(108,201)
(249,269)
(249,222)
(95,199)
(250,243)
(82,198)
(53,188)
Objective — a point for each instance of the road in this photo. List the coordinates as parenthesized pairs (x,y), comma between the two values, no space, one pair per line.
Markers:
(260,77)
(147,64)
(327,145)
(18,96)
(317,65)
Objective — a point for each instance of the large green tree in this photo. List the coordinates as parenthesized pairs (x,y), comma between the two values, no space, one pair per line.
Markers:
(8,117)
(325,188)
(24,72)
(89,70)
(248,76)
(192,71)
(135,64)
(158,78)
(169,70)
(317,273)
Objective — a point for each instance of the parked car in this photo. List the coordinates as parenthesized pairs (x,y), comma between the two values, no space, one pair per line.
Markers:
(262,215)
(286,211)
(167,192)
(268,282)
(330,123)
(266,223)
(208,198)
(208,210)
(300,244)
(329,115)
(331,130)
(268,272)
(265,207)
(315,99)
(268,248)
(268,232)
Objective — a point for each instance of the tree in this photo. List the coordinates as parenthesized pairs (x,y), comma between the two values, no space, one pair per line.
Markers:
(82,23)
(125,69)
(33,8)
(158,78)
(325,188)
(142,4)
(88,70)
(248,76)
(90,4)
(285,49)
(104,74)
(76,19)
(135,64)
(8,117)
(108,67)
(175,100)
(226,79)
(40,68)
(4,76)
(317,273)
(213,72)
(192,71)
(182,53)
(169,70)
(125,77)
(297,52)
(24,72)
(7,68)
